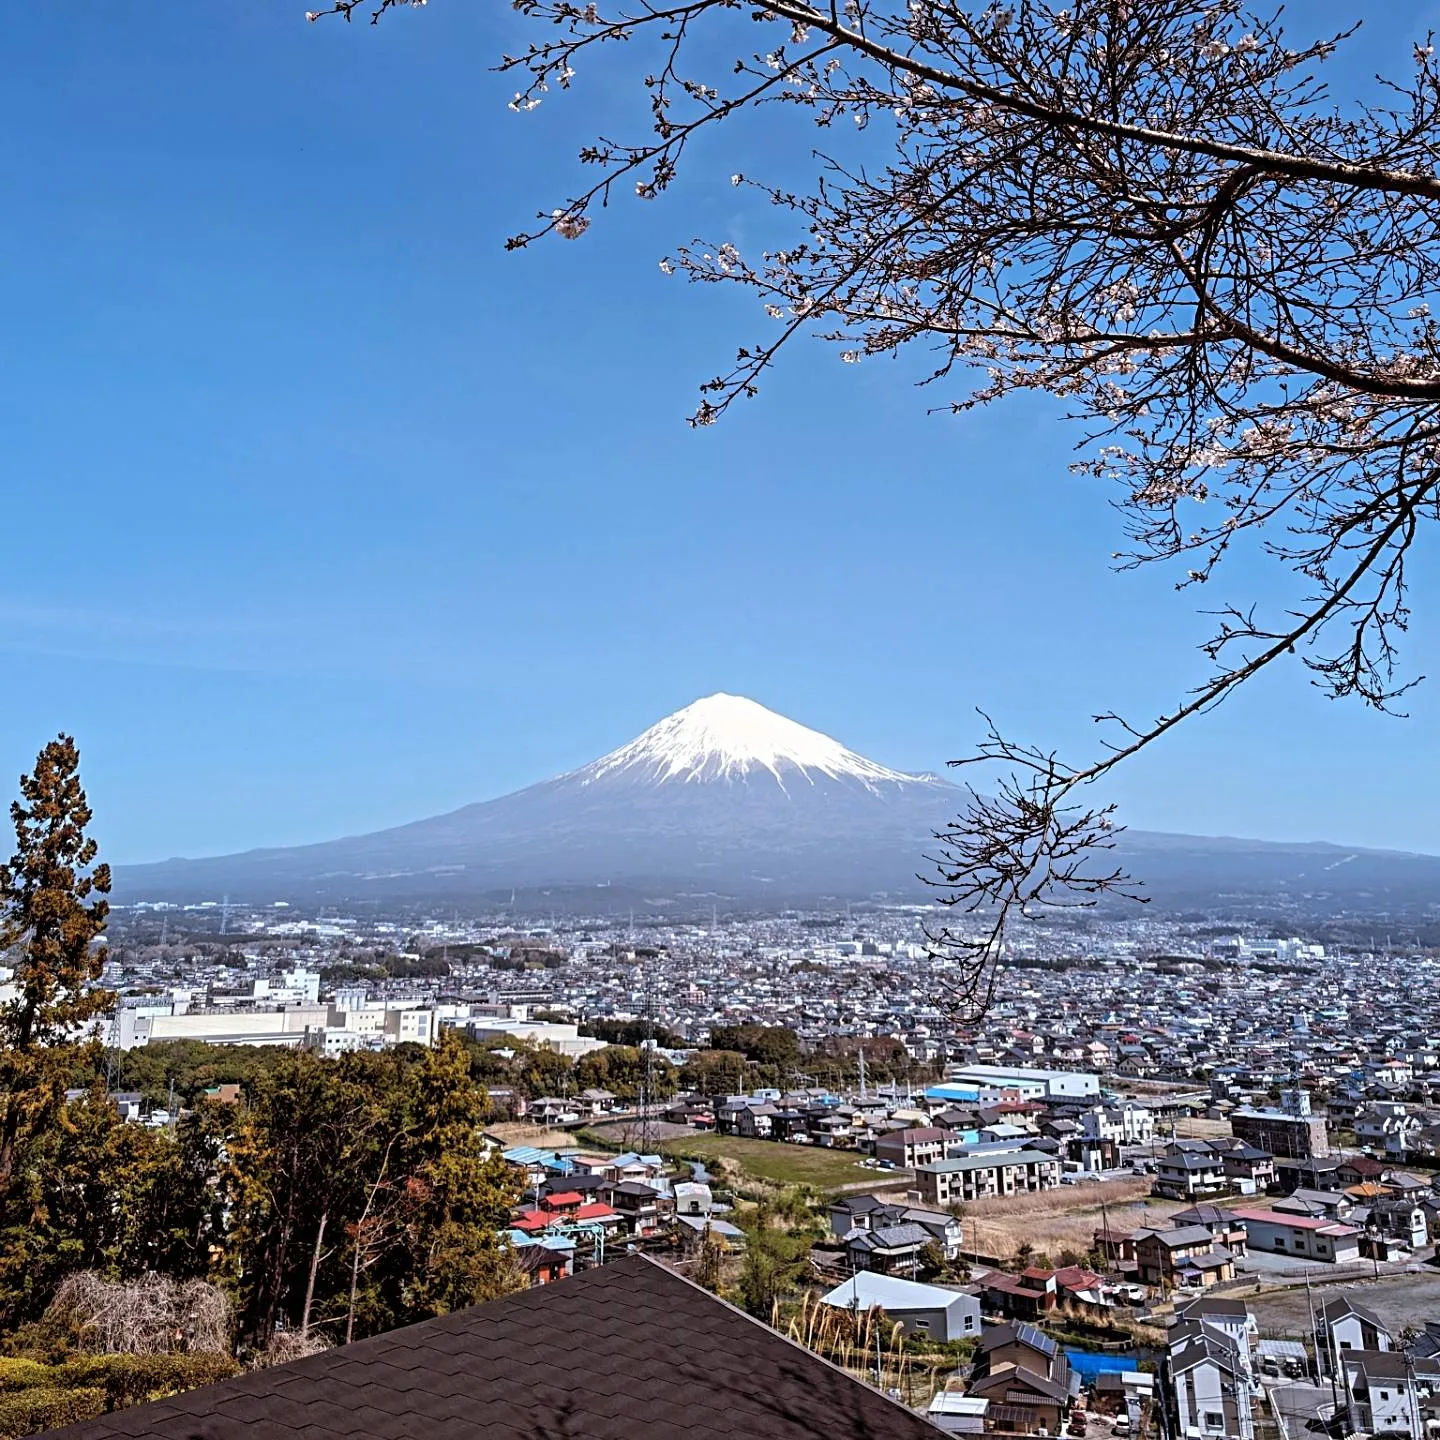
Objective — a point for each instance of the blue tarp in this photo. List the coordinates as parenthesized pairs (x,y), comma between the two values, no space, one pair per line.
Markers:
(1090,1363)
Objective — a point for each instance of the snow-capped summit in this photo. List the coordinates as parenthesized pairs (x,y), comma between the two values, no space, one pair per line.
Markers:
(729,737)
(727,803)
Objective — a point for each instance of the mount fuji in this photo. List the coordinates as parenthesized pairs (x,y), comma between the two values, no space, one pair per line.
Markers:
(726,800)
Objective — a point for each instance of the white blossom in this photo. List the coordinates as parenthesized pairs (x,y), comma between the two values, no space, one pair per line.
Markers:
(567,225)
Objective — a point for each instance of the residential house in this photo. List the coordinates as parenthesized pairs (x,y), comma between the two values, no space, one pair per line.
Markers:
(543,1259)
(1027,1296)
(1232,1318)
(928,1311)
(1344,1324)
(1076,1286)
(921,1145)
(1117,1246)
(598,1102)
(1386,1391)
(1330,1204)
(1188,1175)
(755,1121)
(1391,1224)
(1210,1385)
(1186,1255)
(646,1169)
(1248,1168)
(1126,1123)
(641,1207)
(1357,1170)
(1224,1228)
(1388,1128)
(890,1249)
(1024,1375)
(1308,1237)
(1314,1173)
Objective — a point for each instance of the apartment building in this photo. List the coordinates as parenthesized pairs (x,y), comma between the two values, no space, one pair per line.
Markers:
(978,1177)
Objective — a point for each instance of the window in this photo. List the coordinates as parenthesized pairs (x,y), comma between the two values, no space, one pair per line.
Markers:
(1384,1394)
(969,1322)
(1214,1421)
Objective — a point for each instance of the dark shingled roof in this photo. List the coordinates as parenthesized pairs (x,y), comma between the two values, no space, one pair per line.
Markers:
(630,1351)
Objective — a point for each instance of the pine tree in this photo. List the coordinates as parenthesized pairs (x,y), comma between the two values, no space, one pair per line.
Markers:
(51,915)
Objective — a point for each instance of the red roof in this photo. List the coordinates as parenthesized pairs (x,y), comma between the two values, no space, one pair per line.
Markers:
(595,1211)
(1076,1277)
(565,1197)
(1364,1165)
(1296,1222)
(531,1220)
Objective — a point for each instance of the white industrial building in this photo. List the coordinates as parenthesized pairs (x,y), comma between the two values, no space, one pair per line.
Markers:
(1029,1084)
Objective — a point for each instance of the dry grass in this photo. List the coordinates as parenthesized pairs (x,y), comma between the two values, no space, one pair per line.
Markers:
(1201,1129)
(1065,1219)
(517,1132)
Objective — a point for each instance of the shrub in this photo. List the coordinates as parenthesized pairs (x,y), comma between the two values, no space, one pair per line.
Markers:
(17,1374)
(134,1379)
(46,1407)
(42,1397)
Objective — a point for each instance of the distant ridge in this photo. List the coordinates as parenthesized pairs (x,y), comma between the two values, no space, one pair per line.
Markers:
(727,799)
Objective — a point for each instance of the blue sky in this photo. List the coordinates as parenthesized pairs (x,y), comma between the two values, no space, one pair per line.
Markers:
(324,513)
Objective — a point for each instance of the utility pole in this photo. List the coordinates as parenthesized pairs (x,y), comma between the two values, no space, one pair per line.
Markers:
(647,1058)
(862,1071)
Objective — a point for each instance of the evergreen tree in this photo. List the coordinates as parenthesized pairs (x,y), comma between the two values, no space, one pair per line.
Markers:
(51,914)
(459,1195)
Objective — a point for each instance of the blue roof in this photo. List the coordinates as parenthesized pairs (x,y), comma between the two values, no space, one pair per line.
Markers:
(519,1239)
(547,1159)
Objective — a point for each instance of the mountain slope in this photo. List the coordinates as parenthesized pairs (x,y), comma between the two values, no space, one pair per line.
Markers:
(725,797)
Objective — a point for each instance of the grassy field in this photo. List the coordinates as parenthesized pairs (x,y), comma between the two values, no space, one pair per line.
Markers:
(1064,1219)
(776,1163)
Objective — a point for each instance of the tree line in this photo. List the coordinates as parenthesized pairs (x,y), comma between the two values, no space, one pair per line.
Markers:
(337,1198)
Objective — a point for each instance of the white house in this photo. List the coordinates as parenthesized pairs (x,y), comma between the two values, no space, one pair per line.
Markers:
(926,1310)
(1382,1391)
(1211,1387)
(1343,1324)
(1306,1237)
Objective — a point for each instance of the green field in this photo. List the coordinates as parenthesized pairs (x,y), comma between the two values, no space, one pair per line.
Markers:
(778,1163)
